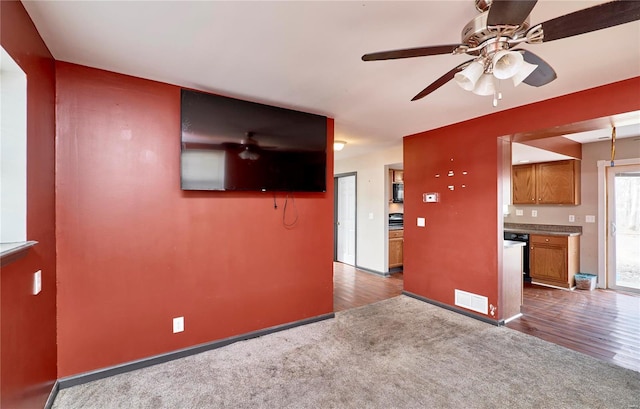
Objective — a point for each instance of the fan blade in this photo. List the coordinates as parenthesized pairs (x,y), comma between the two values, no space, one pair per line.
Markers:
(410,52)
(542,75)
(440,81)
(509,12)
(591,19)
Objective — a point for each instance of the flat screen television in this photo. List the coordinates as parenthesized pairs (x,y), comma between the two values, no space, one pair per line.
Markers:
(234,145)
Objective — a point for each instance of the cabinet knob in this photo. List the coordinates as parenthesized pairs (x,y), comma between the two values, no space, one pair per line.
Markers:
(546,239)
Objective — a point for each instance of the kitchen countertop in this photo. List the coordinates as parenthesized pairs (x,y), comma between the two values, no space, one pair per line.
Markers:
(512,243)
(396,227)
(546,229)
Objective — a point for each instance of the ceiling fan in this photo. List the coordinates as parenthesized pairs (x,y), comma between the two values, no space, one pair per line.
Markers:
(502,25)
(250,148)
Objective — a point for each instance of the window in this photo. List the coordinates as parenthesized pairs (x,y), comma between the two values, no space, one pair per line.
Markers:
(13,154)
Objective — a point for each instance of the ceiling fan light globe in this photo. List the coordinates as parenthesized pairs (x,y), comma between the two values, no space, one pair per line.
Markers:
(485,85)
(468,77)
(506,64)
(525,70)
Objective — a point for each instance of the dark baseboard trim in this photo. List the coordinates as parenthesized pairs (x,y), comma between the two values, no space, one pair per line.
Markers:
(52,395)
(454,309)
(80,379)
(368,270)
(395,270)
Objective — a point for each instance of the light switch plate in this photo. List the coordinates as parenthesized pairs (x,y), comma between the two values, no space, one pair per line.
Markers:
(37,282)
(590,219)
(178,324)
(519,212)
(421,222)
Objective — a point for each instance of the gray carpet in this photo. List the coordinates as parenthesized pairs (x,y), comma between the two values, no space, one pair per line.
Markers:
(398,353)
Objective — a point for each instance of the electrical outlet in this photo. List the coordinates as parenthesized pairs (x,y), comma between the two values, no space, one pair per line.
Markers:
(572,218)
(37,282)
(178,324)
(534,213)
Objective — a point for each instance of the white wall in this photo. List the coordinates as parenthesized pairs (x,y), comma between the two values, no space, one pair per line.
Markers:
(627,148)
(372,204)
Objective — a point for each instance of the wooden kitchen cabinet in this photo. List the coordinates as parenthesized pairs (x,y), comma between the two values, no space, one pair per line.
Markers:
(547,183)
(523,179)
(396,246)
(554,260)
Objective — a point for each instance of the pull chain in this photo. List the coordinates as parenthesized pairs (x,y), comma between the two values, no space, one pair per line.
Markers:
(613,146)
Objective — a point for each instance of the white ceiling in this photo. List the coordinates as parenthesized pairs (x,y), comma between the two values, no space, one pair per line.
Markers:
(306,55)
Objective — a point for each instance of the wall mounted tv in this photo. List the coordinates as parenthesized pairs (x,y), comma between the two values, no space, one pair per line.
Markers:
(234,145)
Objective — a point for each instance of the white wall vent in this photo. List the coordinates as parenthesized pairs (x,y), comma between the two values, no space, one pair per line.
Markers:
(472,301)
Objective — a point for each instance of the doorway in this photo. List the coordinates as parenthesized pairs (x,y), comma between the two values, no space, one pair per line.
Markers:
(345,218)
(623,227)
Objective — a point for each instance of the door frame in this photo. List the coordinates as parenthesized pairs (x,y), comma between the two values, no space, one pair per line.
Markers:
(602,215)
(335,215)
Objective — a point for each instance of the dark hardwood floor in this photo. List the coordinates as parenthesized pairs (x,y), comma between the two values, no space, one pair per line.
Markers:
(355,288)
(602,323)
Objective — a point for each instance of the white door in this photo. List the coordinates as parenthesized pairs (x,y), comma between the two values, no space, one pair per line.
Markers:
(623,227)
(345,224)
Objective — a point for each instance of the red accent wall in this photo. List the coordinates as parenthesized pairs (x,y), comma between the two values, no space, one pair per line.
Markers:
(460,246)
(134,250)
(28,322)
(457,247)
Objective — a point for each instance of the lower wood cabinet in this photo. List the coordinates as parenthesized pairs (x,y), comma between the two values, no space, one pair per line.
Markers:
(554,260)
(396,245)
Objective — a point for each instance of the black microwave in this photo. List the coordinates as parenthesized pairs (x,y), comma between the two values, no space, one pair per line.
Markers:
(398,193)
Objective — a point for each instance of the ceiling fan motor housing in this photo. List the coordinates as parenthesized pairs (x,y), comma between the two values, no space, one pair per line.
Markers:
(476,32)
(483,5)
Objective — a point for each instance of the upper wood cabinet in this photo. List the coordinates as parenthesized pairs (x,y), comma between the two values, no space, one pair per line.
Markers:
(523,180)
(547,183)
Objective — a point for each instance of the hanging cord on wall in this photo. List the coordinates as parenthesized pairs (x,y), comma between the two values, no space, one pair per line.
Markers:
(613,146)
(275,204)
(284,212)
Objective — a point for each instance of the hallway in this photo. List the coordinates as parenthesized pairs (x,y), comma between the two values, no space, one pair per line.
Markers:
(355,288)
